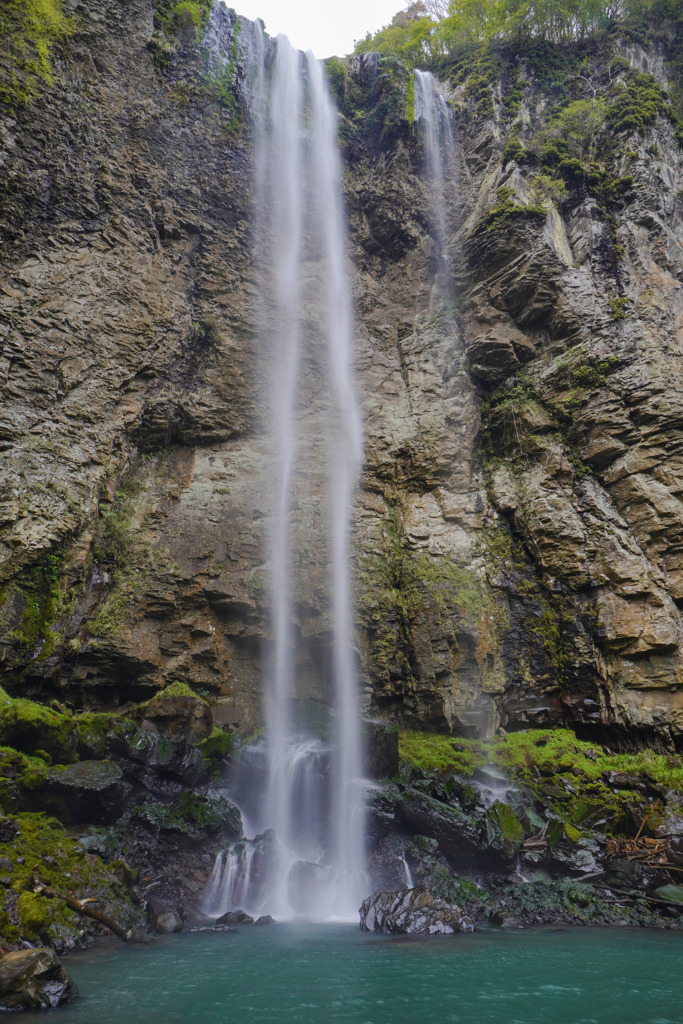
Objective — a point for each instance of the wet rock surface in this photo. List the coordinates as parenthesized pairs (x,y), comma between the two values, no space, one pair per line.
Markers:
(412,912)
(33,979)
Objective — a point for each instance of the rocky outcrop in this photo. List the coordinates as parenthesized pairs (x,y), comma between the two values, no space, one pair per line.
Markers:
(33,979)
(412,912)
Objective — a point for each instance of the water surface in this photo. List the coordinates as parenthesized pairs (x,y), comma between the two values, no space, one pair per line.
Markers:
(330,974)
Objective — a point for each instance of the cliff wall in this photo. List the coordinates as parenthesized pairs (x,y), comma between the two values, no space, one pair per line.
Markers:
(517,528)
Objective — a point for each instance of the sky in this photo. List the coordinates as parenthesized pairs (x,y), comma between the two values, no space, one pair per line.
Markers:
(325,28)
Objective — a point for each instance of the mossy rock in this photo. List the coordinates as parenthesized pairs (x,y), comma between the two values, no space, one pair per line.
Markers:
(506,833)
(178,713)
(193,816)
(20,776)
(218,745)
(40,843)
(86,792)
(31,727)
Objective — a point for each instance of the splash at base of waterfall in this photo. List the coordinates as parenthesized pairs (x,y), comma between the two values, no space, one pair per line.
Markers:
(292,874)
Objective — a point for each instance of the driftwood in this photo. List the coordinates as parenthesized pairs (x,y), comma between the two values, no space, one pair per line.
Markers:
(538,842)
(81,907)
(643,849)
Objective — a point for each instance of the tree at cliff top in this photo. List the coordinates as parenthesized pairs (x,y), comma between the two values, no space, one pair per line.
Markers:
(29,31)
(423,31)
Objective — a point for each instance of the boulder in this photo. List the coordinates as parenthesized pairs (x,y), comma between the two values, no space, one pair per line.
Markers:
(88,791)
(164,919)
(412,912)
(177,713)
(458,834)
(33,979)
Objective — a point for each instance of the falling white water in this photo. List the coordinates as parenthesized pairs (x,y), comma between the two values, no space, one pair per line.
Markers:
(431,109)
(310,824)
(407,873)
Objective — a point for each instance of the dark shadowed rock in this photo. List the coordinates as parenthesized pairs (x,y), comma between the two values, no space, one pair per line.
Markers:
(381,749)
(412,912)
(33,979)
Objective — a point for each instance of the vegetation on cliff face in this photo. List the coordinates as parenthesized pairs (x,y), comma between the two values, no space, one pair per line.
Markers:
(29,30)
(420,34)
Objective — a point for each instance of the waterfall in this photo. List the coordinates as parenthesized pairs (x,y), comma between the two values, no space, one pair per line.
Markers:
(407,873)
(313,807)
(434,115)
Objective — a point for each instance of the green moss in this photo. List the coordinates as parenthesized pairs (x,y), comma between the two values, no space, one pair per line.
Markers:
(534,753)
(507,822)
(30,727)
(410,99)
(20,775)
(594,373)
(185,19)
(218,745)
(41,843)
(432,753)
(44,594)
(8,931)
(35,915)
(398,584)
(30,30)
(191,814)
(176,689)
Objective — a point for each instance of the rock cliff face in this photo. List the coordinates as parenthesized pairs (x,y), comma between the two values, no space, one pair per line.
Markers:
(518,526)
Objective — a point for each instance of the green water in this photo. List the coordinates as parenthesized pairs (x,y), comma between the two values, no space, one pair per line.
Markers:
(332,974)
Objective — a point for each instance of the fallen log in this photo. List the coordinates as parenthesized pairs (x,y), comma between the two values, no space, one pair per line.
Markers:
(81,907)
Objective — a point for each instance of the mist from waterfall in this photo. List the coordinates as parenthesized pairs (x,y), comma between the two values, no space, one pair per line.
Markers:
(308,849)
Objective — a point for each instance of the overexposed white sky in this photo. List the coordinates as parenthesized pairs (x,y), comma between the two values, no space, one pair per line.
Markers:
(325,28)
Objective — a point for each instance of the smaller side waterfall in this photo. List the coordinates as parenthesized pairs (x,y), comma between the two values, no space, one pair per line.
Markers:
(433,114)
(408,875)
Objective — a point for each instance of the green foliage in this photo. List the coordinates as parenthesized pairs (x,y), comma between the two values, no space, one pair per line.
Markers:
(639,102)
(419,39)
(547,188)
(594,373)
(514,150)
(618,308)
(184,19)
(505,210)
(572,132)
(29,32)
(409,38)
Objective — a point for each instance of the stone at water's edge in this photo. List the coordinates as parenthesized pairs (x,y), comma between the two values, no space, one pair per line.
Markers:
(33,979)
(412,912)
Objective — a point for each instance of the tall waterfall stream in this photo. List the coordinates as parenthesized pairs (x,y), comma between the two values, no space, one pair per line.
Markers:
(306,853)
